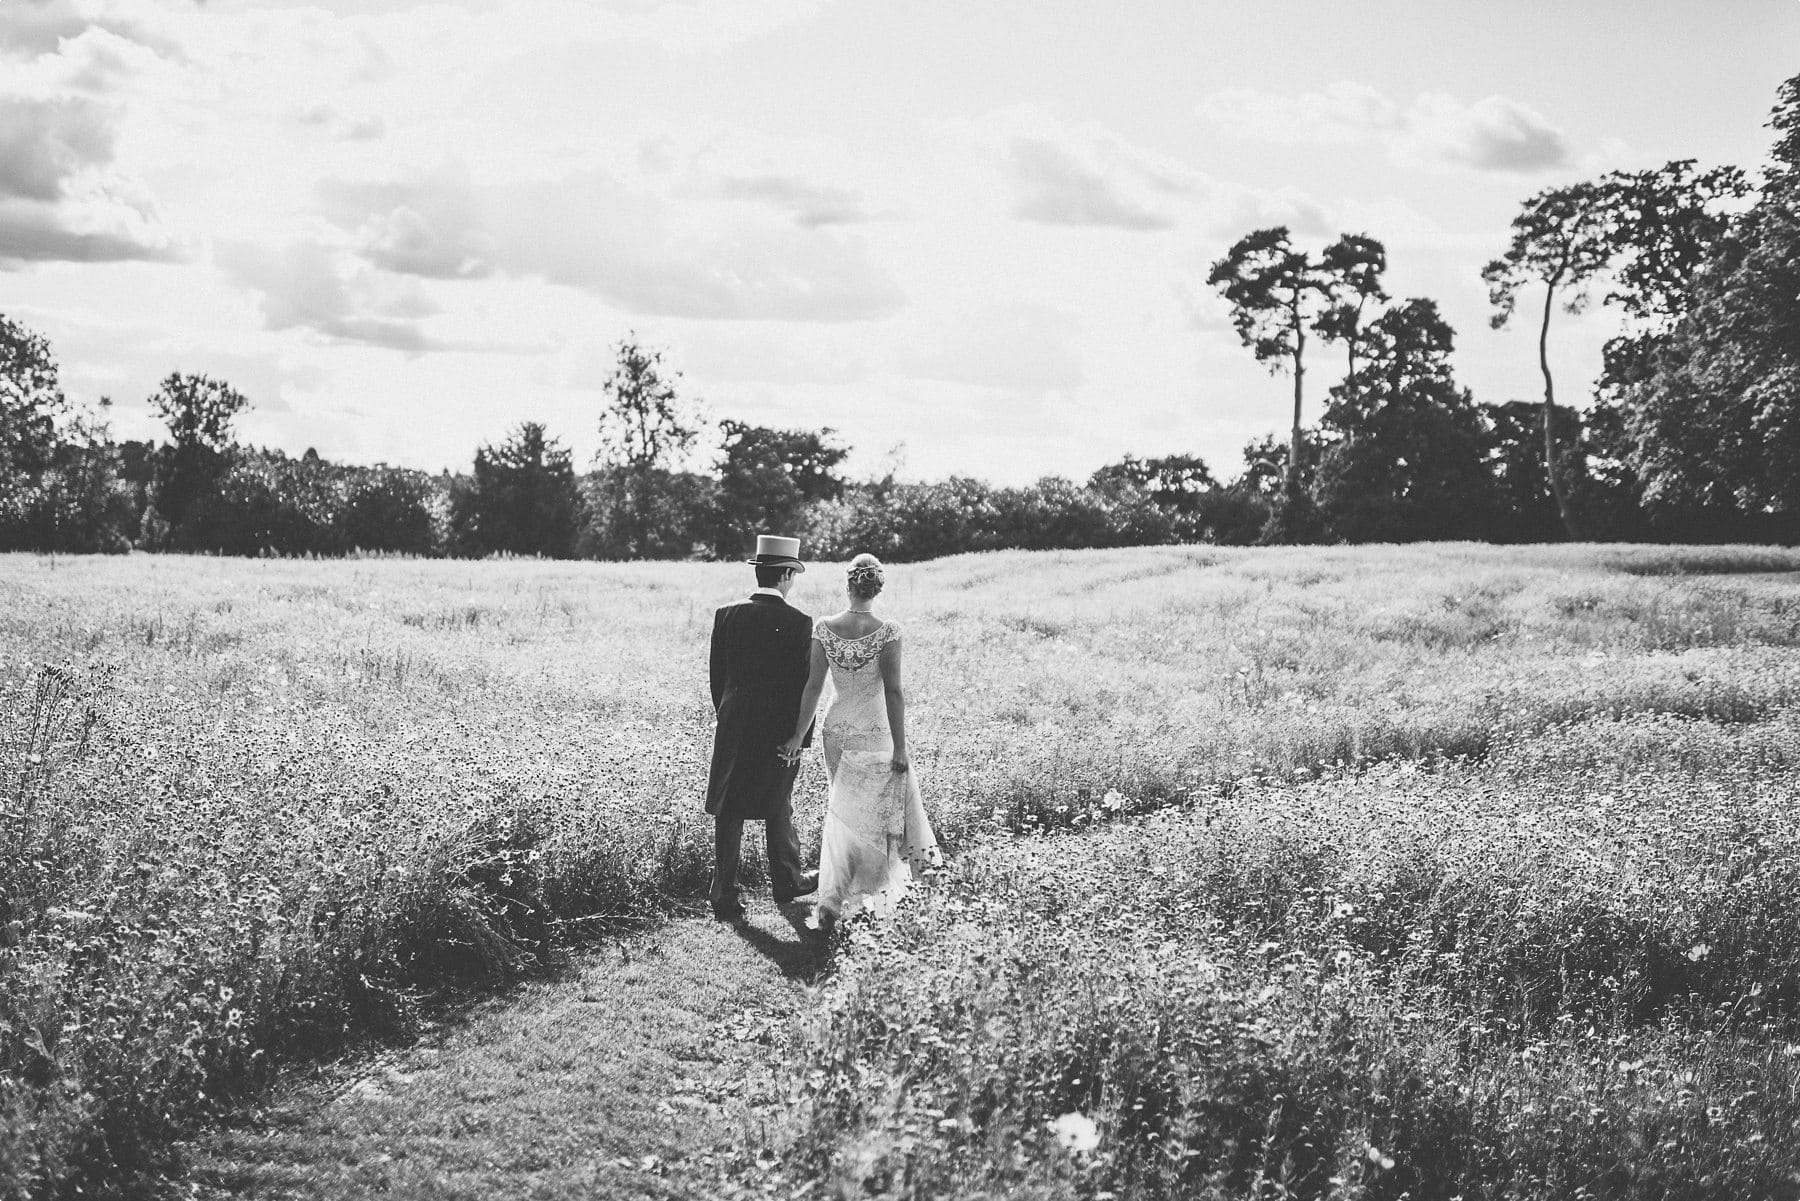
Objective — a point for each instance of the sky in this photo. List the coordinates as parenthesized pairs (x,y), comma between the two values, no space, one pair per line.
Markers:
(972,237)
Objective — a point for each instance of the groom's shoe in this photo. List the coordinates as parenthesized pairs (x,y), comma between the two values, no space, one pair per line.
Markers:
(727,910)
(809,884)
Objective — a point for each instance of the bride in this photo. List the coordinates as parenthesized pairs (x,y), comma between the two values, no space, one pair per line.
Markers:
(876,831)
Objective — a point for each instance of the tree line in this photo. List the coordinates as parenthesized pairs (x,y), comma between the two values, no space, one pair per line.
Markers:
(1692,430)
(1691,433)
(70,487)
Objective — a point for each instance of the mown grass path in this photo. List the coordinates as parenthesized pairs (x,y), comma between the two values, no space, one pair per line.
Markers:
(648,1070)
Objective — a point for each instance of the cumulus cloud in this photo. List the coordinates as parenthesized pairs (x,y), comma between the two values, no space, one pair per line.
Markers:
(1058,187)
(809,204)
(29,28)
(305,285)
(343,126)
(100,61)
(58,199)
(1085,174)
(426,226)
(812,181)
(1492,134)
(1343,112)
(594,231)
(45,142)
(32,233)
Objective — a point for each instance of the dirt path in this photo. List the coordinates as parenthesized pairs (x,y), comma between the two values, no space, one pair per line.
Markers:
(649,1071)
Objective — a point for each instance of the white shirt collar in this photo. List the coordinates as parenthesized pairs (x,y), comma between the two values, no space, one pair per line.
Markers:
(774,592)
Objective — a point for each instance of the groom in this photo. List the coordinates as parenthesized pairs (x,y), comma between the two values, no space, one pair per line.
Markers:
(760,655)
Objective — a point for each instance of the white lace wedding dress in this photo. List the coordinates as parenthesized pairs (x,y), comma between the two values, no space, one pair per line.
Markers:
(876,831)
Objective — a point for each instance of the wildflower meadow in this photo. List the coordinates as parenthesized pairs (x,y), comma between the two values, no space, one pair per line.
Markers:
(1424,871)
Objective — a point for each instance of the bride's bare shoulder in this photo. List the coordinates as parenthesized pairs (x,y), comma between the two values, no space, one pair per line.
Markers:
(851,625)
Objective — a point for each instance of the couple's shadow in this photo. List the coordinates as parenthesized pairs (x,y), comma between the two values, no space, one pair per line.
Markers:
(801,957)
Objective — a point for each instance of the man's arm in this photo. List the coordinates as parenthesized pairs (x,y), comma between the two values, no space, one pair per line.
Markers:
(716,668)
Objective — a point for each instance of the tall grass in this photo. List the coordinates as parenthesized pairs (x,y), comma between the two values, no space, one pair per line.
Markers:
(1572,971)
(254,809)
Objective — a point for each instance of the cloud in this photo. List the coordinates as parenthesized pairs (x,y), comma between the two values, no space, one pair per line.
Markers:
(101,62)
(29,27)
(426,225)
(1203,308)
(1025,347)
(1057,188)
(308,286)
(343,126)
(814,181)
(45,142)
(1087,175)
(811,205)
(35,233)
(59,202)
(1491,134)
(700,26)
(1343,112)
(592,230)
(1494,134)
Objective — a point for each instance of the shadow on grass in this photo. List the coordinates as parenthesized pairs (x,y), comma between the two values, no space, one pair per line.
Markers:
(801,957)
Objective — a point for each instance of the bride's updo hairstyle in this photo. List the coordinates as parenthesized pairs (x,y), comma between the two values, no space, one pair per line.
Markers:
(865,577)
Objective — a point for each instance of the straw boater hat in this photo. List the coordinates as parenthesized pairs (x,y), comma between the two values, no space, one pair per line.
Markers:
(773,551)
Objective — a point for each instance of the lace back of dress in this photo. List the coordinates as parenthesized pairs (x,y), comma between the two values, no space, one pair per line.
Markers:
(854,654)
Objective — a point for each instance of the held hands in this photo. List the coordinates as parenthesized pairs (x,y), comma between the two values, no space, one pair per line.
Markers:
(789,751)
(900,764)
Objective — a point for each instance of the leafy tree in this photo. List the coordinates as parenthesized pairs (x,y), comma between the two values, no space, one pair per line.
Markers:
(1407,463)
(59,489)
(1562,238)
(1175,482)
(1275,293)
(1171,499)
(644,428)
(681,521)
(1053,514)
(31,400)
(1352,268)
(1233,515)
(96,509)
(1266,460)
(766,476)
(521,499)
(1664,224)
(266,503)
(1716,423)
(1712,411)
(199,412)
(389,509)
(1785,121)
(1515,459)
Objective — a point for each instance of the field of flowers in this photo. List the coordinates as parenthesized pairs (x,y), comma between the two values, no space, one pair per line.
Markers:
(1379,871)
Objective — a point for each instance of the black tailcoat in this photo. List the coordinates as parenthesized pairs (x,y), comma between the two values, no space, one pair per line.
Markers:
(761,650)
